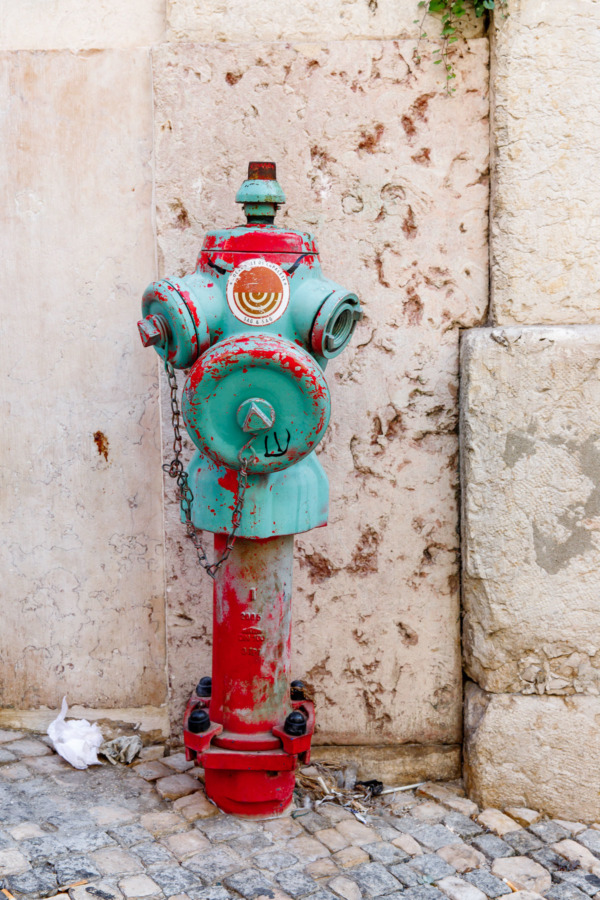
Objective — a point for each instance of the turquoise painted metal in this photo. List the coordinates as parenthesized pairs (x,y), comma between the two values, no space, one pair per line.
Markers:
(256,323)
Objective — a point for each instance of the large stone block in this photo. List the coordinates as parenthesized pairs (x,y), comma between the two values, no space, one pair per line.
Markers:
(530,432)
(313,20)
(546,185)
(77,25)
(539,752)
(82,553)
(391,175)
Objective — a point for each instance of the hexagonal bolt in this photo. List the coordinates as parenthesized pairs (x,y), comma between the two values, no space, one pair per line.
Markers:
(153,330)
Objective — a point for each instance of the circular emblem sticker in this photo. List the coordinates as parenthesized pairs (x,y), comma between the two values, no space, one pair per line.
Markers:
(258,292)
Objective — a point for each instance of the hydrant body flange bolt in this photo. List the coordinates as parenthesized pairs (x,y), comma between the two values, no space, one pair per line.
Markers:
(255,325)
(204,686)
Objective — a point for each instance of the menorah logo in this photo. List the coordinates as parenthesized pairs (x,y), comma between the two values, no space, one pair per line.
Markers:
(258,292)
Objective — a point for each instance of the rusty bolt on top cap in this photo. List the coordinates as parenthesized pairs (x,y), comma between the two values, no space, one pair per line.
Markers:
(262,171)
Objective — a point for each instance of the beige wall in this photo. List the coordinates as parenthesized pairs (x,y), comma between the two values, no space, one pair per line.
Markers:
(391,175)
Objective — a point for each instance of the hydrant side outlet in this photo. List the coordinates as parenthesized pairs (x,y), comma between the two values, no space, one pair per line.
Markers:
(255,325)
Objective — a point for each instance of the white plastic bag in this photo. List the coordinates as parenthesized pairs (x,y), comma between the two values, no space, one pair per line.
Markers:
(77,740)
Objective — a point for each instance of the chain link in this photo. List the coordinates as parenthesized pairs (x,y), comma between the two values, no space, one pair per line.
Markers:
(175,469)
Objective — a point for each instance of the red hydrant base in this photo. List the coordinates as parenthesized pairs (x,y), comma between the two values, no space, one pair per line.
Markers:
(247,793)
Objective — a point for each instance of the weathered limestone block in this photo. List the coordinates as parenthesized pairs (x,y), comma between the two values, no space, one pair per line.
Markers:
(77,25)
(540,752)
(546,184)
(392,178)
(313,20)
(530,432)
(81,553)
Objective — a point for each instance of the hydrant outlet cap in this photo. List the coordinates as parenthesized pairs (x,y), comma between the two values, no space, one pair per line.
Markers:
(261,186)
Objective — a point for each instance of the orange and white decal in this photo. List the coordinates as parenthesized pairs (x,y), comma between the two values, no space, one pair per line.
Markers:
(258,292)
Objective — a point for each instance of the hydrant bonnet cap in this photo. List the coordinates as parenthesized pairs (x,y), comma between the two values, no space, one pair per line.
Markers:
(261,186)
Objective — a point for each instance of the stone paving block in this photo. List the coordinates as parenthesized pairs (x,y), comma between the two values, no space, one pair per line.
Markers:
(322,868)
(386,853)
(6,756)
(346,888)
(572,828)
(153,854)
(432,866)
(496,821)
(40,849)
(25,830)
(306,848)
(457,889)
(222,828)
(130,834)
(100,890)
(576,852)
(154,751)
(214,892)
(462,857)
(250,884)
(8,736)
(196,806)
(111,815)
(585,881)
(590,839)
(350,856)
(177,762)
(448,797)
(435,836)
(137,887)
(151,771)
(175,786)
(87,841)
(47,765)
(334,813)
(406,875)
(375,880)
(550,832)
(429,812)
(357,833)
(523,873)
(550,860)
(186,843)
(422,892)
(385,829)
(175,879)
(275,860)
(296,883)
(408,844)
(212,865)
(254,842)
(332,839)
(321,894)
(38,881)
(75,868)
(493,846)
(408,825)
(565,892)
(523,816)
(523,842)
(312,822)
(490,885)
(162,822)
(14,772)
(27,747)
(462,825)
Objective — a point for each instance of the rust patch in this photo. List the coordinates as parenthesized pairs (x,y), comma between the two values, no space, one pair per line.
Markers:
(101,442)
(423,157)
(370,140)
(233,77)
(364,559)
(379,265)
(413,307)
(319,567)
(408,636)
(420,105)
(408,125)
(320,158)
(182,218)
(409,226)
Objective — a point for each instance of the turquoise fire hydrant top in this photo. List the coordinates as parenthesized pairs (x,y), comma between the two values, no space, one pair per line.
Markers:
(256,324)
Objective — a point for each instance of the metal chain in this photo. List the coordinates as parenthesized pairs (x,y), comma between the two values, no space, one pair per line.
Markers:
(175,469)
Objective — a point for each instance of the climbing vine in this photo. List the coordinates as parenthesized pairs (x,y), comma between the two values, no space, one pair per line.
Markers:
(451,12)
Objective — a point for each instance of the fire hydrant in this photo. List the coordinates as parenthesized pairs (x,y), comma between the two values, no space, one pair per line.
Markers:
(255,324)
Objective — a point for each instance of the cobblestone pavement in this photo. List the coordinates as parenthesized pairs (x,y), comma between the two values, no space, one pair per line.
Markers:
(149,832)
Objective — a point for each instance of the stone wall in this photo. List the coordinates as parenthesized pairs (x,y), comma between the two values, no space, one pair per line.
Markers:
(104,600)
(530,429)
